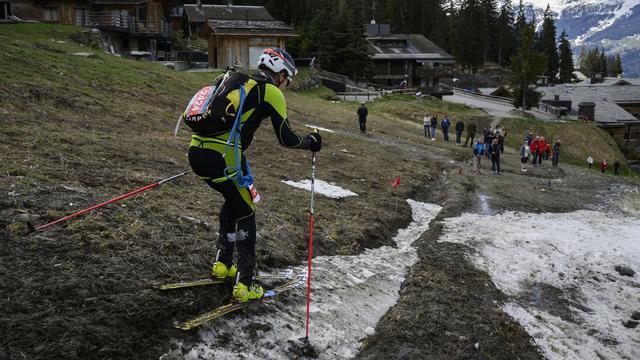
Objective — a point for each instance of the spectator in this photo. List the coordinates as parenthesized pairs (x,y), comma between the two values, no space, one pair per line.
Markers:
(542,149)
(471,133)
(616,167)
(488,138)
(494,150)
(529,138)
(556,153)
(525,152)
(459,129)
(590,161)
(603,165)
(478,151)
(547,151)
(426,121)
(534,150)
(362,116)
(444,125)
(434,123)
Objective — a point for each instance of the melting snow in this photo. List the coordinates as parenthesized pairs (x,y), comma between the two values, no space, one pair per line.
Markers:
(573,255)
(322,187)
(349,295)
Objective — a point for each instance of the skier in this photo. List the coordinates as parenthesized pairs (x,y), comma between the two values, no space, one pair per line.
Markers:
(264,99)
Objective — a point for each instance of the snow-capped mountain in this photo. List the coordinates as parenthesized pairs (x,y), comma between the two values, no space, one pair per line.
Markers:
(612,24)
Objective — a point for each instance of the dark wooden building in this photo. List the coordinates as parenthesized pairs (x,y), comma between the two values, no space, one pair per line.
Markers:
(235,33)
(406,57)
(126,25)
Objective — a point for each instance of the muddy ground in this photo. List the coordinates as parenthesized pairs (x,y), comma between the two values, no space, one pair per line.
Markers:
(84,289)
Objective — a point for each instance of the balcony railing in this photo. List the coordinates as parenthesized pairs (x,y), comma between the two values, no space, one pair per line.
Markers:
(121,21)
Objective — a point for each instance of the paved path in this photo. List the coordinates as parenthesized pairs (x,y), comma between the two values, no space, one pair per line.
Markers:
(497,108)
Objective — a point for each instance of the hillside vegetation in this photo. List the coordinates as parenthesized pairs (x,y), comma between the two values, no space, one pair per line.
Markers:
(76,131)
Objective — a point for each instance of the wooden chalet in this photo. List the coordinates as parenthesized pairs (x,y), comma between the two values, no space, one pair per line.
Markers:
(406,57)
(126,25)
(235,33)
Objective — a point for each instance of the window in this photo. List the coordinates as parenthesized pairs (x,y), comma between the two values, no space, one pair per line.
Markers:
(142,14)
(50,14)
(5,10)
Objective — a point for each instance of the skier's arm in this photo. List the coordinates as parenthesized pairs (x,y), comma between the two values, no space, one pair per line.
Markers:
(277,106)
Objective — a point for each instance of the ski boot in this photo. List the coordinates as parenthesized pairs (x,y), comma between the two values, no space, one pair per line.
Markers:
(221,271)
(242,293)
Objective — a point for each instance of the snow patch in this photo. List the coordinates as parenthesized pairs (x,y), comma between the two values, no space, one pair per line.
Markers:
(349,296)
(322,187)
(558,270)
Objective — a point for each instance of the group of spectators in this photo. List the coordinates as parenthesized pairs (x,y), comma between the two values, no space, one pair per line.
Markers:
(538,149)
(491,145)
(604,165)
(431,125)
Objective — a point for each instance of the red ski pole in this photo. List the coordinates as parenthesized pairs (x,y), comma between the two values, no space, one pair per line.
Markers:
(110,201)
(309,260)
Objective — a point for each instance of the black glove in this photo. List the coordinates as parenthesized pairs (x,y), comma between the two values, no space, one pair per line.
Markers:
(313,141)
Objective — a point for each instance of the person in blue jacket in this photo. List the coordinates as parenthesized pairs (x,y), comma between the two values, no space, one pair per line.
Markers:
(445,124)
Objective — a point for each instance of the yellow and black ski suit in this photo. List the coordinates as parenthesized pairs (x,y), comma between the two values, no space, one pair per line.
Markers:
(237,215)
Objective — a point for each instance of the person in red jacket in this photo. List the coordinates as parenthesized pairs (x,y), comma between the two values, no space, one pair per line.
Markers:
(542,149)
(535,143)
(603,166)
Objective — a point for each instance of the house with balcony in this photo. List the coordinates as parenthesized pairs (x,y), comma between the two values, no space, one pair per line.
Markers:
(406,57)
(234,33)
(130,27)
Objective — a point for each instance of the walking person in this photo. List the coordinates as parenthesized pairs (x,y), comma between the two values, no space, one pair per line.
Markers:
(471,133)
(426,121)
(524,156)
(556,153)
(478,151)
(603,166)
(494,150)
(459,129)
(616,167)
(434,123)
(264,98)
(362,116)
(444,125)
(589,161)
(534,150)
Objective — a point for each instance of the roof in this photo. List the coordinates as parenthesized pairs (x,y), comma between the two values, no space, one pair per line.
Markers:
(237,27)
(610,81)
(119,2)
(606,99)
(226,12)
(406,47)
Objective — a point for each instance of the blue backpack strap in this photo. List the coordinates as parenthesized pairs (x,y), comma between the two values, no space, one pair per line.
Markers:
(235,173)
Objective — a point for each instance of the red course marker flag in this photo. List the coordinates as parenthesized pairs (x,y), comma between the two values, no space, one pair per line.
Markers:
(396,182)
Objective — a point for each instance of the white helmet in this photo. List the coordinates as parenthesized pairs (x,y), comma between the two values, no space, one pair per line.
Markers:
(277,60)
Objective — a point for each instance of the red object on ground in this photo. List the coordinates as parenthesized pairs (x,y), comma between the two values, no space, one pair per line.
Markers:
(396,182)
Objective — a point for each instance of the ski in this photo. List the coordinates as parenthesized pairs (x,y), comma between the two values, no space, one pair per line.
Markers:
(285,274)
(231,307)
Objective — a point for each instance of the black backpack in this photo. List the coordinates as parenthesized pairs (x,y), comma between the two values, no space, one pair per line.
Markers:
(212,110)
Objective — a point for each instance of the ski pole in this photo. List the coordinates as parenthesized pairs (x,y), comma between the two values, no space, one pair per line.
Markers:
(309,260)
(111,201)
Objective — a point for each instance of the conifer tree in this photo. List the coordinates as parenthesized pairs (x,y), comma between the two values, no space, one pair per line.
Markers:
(527,64)
(506,38)
(547,42)
(470,41)
(566,59)
(617,65)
